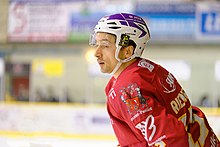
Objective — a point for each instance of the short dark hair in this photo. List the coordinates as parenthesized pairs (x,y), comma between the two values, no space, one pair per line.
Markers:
(131,42)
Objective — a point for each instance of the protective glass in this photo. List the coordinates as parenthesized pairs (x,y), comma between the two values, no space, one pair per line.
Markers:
(104,41)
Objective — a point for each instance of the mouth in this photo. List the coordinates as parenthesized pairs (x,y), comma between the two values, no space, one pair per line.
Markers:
(100,62)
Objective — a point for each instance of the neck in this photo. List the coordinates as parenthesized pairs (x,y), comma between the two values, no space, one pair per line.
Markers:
(123,66)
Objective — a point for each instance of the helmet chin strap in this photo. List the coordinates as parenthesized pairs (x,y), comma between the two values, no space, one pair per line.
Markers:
(117,66)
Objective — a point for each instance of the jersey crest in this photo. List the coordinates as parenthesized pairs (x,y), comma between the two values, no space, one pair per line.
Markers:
(133,99)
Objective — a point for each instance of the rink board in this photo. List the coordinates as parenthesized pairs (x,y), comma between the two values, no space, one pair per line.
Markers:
(66,121)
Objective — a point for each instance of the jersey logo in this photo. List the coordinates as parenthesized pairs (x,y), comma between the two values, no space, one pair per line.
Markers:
(143,63)
(132,97)
(168,84)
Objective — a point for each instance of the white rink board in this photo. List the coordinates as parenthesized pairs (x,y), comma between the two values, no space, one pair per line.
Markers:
(56,125)
(54,118)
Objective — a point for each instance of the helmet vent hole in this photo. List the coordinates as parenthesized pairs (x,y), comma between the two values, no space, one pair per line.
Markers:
(112,23)
(114,27)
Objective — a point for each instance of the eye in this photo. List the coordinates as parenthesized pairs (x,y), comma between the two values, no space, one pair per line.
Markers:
(104,46)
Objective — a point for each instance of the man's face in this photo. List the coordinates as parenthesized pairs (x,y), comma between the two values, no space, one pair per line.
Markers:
(105,52)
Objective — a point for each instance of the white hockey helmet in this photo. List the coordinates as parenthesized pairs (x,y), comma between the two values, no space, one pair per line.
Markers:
(127,28)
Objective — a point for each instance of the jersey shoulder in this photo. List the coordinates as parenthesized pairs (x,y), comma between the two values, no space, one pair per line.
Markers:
(146,64)
(143,68)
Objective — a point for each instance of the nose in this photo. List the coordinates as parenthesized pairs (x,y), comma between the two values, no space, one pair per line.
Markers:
(98,52)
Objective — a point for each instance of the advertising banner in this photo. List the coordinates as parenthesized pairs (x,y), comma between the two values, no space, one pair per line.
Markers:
(58,20)
(37,22)
(74,20)
(168,21)
(208,22)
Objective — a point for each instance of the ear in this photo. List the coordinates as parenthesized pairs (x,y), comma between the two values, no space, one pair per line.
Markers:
(129,51)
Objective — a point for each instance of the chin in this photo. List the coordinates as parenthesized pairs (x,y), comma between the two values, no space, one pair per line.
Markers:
(105,72)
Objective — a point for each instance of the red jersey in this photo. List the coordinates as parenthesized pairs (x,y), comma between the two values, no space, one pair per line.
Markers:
(148,107)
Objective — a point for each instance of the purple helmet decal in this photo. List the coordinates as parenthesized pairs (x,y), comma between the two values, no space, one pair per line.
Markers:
(116,16)
(127,17)
(129,20)
(132,24)
(124,23)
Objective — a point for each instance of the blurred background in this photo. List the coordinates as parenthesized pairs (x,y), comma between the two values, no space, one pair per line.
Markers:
(50,84)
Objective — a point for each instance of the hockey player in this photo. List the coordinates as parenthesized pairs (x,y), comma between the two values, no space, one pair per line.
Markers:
(146,104)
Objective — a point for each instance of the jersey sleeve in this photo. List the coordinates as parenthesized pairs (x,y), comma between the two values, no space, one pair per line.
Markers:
(146,113)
